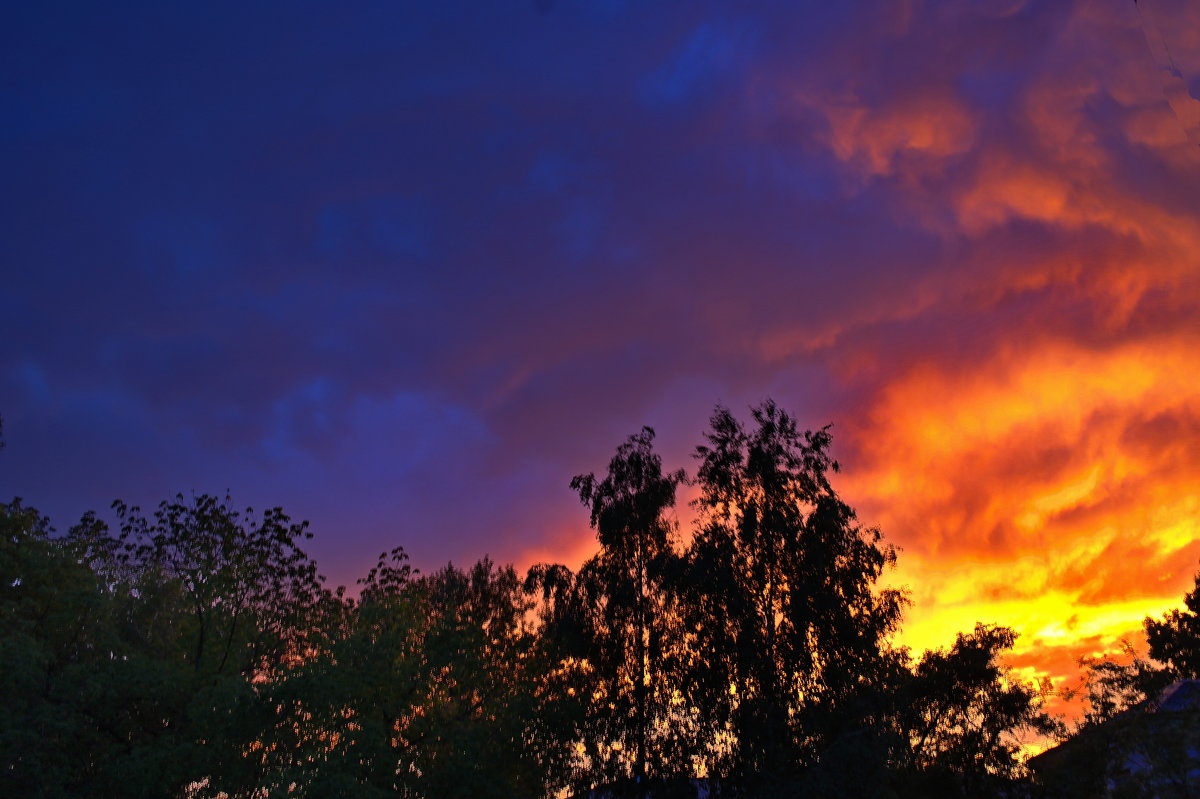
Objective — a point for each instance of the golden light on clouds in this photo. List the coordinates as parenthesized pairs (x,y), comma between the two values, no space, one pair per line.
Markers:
(1051,487)
(1009,345)
(1024,419)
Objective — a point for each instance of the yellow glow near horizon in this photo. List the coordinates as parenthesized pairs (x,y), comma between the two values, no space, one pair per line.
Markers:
(1052,491)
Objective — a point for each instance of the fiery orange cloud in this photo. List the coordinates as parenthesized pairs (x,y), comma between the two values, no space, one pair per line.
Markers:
(1021,414)
(1037,464)
(1050,487)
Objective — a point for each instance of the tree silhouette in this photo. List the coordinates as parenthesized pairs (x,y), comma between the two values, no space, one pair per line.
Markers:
(54,637)
(568,732)
(196,652)
(960,716)
(427,691)
(616,611)
(1133,740)
(782,608)
(207,605)
(1175,638)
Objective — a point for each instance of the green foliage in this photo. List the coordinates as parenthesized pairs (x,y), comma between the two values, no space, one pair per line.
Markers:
(426,691)
(210,602)
(242,590)
(145,646)
(52,633)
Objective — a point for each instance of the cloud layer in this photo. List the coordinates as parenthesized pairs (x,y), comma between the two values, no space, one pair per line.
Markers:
(405,272)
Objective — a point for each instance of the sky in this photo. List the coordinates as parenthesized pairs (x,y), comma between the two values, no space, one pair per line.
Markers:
(405,269)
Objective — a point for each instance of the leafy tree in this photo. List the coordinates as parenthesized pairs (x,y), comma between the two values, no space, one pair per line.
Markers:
(625,586)
(566,680)
(1175,638)
(53,637)
(246,587)
(481,697)
(426,692)
(961,717)
(343,712)
(789,631)
(207,604)
(197,652)
(1112,686)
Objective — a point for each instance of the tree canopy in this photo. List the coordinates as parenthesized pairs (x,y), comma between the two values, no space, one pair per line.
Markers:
(802,639)
(197,652)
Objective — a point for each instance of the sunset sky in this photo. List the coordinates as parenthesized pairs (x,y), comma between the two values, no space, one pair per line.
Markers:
(406,268)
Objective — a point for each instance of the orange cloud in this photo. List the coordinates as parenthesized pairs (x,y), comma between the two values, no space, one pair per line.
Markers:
(914,137)
(1021,413)
(1050,487)
(1035,462)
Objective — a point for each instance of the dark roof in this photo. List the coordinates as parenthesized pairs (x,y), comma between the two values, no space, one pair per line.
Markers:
(1178,696)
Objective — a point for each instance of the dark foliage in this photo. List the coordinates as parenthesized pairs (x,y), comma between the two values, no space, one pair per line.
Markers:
(196,652)
(424,691)
(630,630)
(789,634)
(1175,638)
(960,716)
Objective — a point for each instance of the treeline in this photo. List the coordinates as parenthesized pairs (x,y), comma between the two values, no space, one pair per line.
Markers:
(197,652)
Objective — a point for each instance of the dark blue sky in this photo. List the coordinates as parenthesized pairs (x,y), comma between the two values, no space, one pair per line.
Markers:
(405,268)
